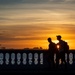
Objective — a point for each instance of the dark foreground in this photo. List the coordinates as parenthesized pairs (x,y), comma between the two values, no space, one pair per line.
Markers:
(32,61)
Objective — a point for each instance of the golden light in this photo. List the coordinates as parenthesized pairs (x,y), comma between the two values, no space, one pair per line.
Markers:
(58,46)
(55,41)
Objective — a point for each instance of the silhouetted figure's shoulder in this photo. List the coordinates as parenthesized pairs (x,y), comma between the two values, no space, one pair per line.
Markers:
(52,44)
(62,41)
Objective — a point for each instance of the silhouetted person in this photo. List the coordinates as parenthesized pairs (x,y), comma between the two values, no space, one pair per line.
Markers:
(62,50)
(51,51)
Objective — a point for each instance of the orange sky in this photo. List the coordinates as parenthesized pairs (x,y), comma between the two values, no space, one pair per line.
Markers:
(30,23)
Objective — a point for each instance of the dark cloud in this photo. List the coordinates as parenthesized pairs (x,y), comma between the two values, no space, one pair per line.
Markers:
(34,1)
(9,38)
(30,19)
(9,1)
(21,1)
(12,33)
(3,18)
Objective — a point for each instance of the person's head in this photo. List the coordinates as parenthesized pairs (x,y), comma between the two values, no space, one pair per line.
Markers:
(49,39)
(58,37)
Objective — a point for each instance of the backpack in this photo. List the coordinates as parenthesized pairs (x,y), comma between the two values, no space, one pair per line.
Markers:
(66,47)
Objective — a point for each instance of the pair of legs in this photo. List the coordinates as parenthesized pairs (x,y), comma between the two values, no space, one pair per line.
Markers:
(51,60)
(61,56)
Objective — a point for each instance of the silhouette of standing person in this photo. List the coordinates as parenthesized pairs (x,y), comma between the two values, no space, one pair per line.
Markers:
(51,51)
(61,48)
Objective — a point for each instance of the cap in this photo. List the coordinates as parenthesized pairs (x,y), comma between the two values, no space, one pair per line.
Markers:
(58,36)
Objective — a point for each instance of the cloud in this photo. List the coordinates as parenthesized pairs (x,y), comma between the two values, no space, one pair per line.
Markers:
(6,2)
(14,33)
(22,1)
(9,1)
(17,33)
(25,19)
(11,38)
(4,18)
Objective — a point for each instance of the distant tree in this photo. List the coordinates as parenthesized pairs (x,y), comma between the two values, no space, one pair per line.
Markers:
(0,46)
(41,48)
(3,48)
(36,48)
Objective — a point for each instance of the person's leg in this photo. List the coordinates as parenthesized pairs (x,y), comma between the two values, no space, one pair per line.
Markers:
(64,61)
(53,63)
(62,57)
(57,60)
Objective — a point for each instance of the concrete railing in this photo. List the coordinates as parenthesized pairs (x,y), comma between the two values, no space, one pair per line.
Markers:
(23,59)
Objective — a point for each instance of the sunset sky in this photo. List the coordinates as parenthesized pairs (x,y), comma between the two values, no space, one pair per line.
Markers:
(28,23)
